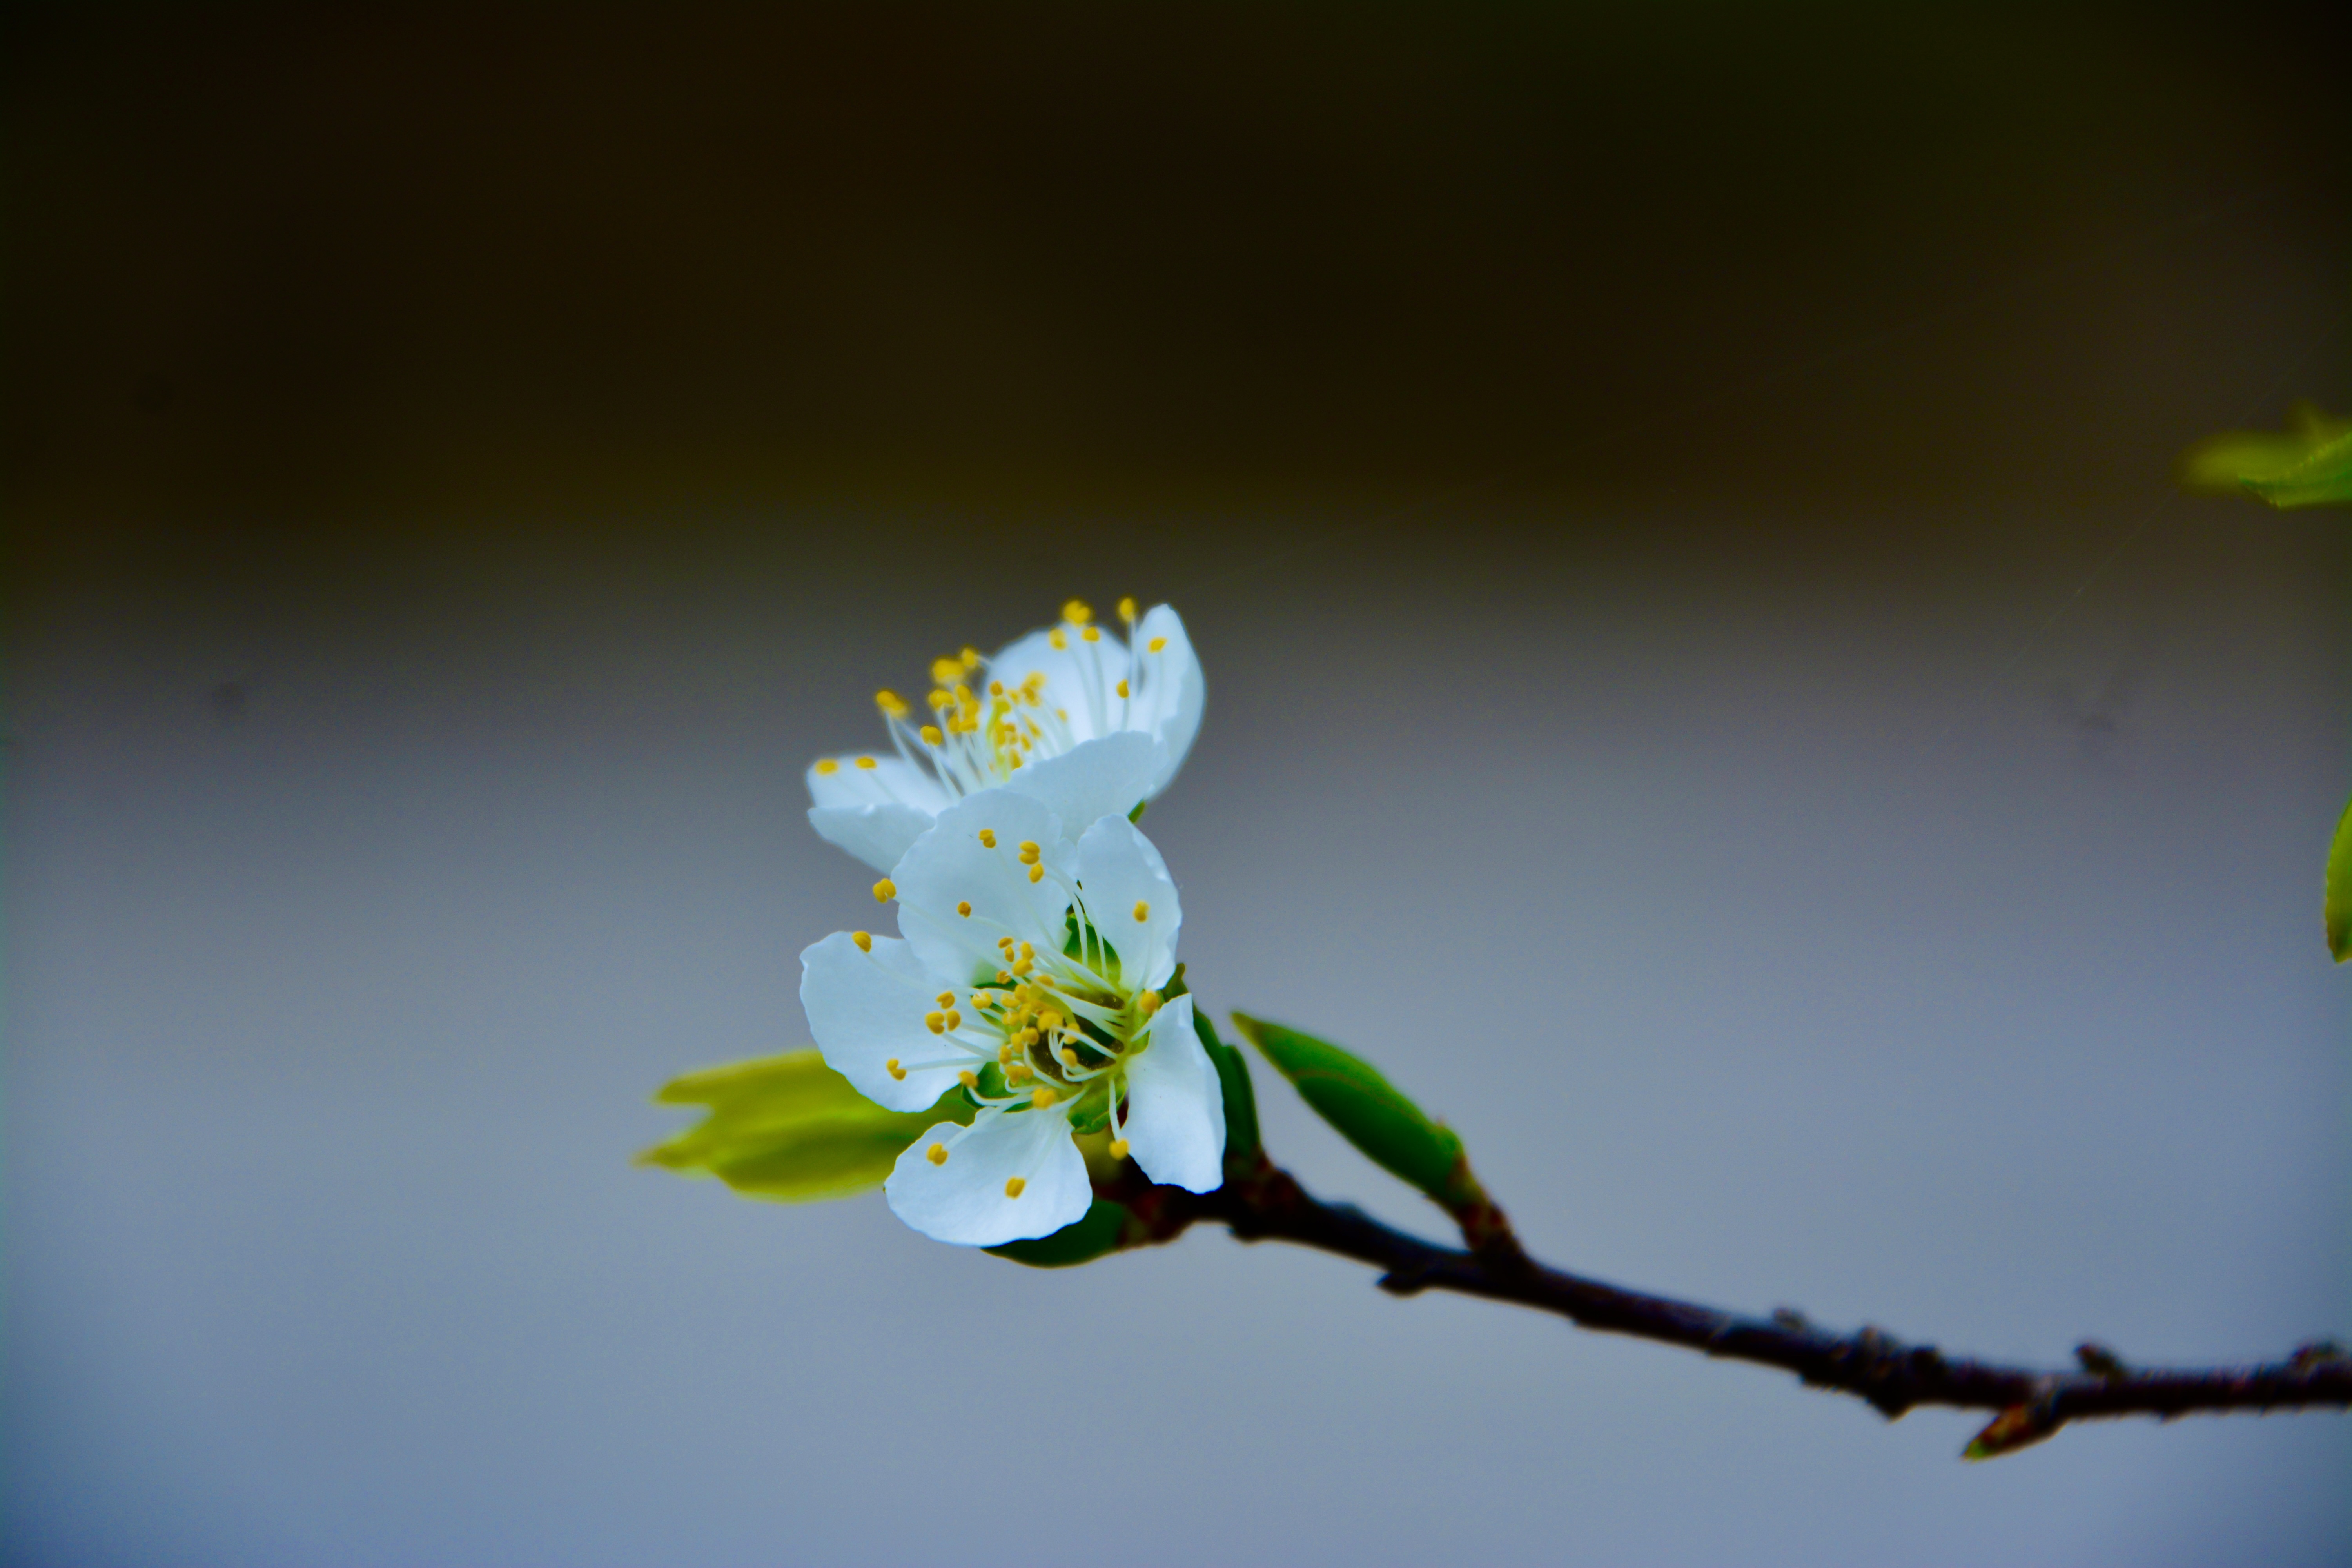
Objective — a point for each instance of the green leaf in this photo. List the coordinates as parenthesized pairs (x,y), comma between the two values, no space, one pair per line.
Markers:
(1365,1108)
(1241,1143)
(2339,889)
(790,1129)
(2308,464)
(1093,1234)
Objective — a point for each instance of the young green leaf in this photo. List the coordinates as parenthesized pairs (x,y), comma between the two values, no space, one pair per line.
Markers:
(2308,464)
(1095,1233)
(790,1129)
(2339,889)
(1365,1108)
(1242,1142)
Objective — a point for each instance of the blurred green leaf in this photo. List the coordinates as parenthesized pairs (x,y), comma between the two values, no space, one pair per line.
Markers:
(1242,1142)
(2308,464)
(790,1129)
(2339,889)
(2019,1427)
(1365,1108)
(1093,1234)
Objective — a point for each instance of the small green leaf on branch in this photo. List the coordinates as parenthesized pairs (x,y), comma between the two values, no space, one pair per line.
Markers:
(1099,1232)
(790,1129)
(2338,908)
(1368,1110)
(2308,464)
(2019,1427)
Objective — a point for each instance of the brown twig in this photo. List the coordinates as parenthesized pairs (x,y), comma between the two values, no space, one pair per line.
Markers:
(1266,1204)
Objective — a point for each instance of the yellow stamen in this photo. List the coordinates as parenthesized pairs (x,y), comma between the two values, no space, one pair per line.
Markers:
(1077,612)
(955,1019)
(894,1070)
(946,671)
(937,1153)
(1021,965)
(963,908)
(970,658)
(864,939)
(1118,1147)
(1122,689)
(1057,639)
(1127,609)
(931,736)
(1149,1003)
(971,1079)
(1028,951)
(1156,644)
(1142,909)
(941,699)
(1012,1185)
(892,705)
(885,890)
(826,767)
(996,688)
(936,1023)
(1036,873)
(1069,1057)
(988,838)
(1019,1072)
(1042,1098)
(947,999)
(1092,634)
(1029,852)
(1003,977)
(867,762)
(1005,1055)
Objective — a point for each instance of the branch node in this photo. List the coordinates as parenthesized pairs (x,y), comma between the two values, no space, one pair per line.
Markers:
(2100,1362)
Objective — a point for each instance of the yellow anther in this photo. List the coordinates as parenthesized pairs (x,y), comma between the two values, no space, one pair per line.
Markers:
(1122,689)
(1127,609)
(963,908)
(892,705)
(936,1023)
(1156,644)
(1063,714)
(1042,1098)
(1014,764)
(946,671)
(867,762)
(931,736)
(1033,682)
(947,998)
(964,699)
(940,700)
(996,688)
(1029,852)
(988,838)
(1005,1054)
(1077,612)
(1012,1185)
(970,657)
(1149,1003)
(1036,873)
(864,939)
(1003,977)
(885,890)
(938,1153)
(1142,909)
(1057,639)
(894,1070)
(1069,1057)
(1118,1148)
(1019,1072)
(969,1078)
(955,1019)
(1022,966)
(1091,634)
(826,767)
(1028,951)
(1029,1037)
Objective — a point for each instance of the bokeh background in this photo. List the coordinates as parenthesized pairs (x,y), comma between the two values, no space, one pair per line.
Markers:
(1710,685)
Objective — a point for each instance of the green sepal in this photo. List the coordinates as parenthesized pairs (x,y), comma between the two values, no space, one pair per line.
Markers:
(1090,1114)
(2308,464)
(791,1130)
(1095,1233)
(1365,1109)
(2338,908)
(1136,815)
(1242,1142)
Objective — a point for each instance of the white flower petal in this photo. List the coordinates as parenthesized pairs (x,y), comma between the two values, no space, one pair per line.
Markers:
(1131,898)
(962,1199)
(1175,1123)
(1081,681)
(950,866)
(1173,693)
(877,835)
(890,779)
(865,1009)
(1108,776)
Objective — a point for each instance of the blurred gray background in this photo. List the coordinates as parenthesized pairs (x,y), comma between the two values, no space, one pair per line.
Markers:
(1710,685)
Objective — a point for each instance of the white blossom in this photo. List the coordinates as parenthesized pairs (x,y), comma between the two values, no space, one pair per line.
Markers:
(1029,973)
(1073,716)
